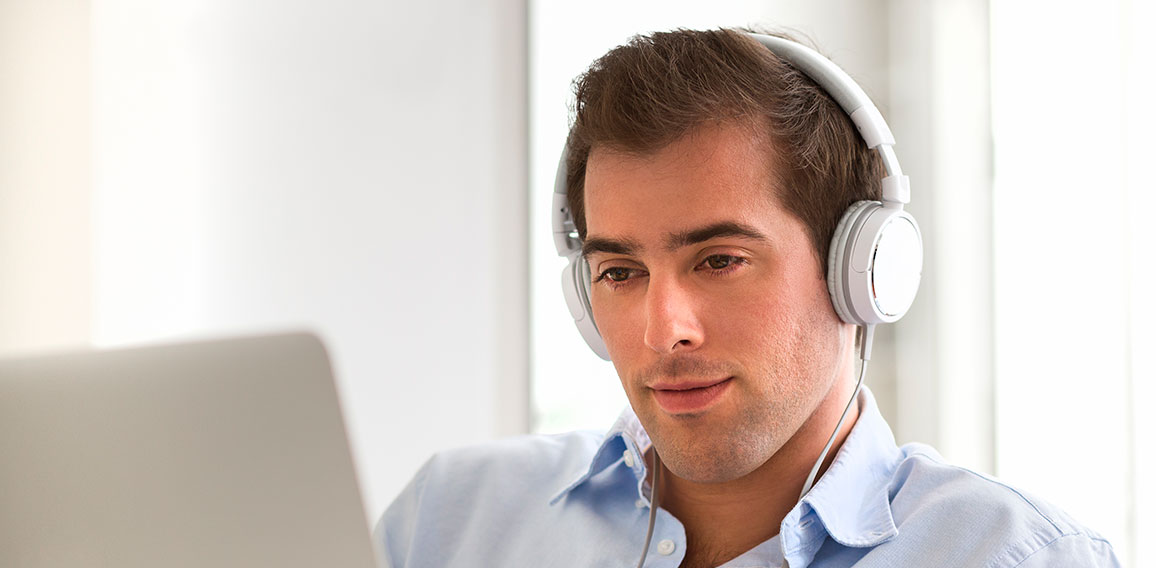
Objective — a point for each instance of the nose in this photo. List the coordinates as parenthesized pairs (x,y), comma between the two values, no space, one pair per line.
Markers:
(672,322)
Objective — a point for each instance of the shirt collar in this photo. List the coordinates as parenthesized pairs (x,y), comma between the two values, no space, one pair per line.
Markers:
(626,437)
(850,503)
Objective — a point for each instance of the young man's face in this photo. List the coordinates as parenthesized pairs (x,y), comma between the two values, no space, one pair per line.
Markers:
(711,301)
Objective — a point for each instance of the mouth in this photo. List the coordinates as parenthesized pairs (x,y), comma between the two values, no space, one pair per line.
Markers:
(691,397)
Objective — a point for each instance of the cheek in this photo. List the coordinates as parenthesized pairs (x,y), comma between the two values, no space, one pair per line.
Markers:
(784,324)
(618,322)
(816,332)
(768,305)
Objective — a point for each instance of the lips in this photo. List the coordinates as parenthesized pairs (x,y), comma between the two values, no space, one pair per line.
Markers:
(691,397)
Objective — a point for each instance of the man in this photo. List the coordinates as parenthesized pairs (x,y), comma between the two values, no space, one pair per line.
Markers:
(706,179)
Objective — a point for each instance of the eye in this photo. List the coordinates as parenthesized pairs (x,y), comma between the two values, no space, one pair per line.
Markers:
(721,263)
(616,274)
(617,277)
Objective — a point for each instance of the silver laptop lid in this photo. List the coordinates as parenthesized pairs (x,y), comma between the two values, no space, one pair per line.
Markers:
(225,453)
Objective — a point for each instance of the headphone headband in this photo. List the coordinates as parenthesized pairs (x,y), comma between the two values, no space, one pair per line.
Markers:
(851,98)
(837,83)
(565,233)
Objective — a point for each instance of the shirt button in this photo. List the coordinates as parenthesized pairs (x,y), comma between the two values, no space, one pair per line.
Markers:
(629,458)
(666,547)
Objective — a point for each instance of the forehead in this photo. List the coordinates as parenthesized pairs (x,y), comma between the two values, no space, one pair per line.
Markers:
(716,173)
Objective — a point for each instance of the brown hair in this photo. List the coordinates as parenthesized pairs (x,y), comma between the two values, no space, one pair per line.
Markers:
(644,95)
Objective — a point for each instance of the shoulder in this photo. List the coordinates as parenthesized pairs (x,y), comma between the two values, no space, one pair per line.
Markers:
(474,489)
(527,464)
(535,456)
(984,519)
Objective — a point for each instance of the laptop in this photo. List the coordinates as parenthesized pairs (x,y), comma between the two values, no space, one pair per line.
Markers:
(217,453)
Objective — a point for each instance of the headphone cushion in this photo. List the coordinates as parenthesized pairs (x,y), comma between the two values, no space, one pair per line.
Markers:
(841,241)
(575,288)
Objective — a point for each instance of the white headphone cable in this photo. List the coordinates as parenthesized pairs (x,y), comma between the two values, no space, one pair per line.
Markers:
(867,333)
(864,355)
(653,505)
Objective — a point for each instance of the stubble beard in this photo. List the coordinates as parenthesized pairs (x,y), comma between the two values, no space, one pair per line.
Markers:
(711,448)
(775,403)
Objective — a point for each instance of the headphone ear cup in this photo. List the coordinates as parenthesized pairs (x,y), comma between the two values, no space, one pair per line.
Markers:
(575,288)
(836,264)
(875,263)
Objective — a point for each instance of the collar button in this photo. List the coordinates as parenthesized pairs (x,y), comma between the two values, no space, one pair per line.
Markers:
(628,458)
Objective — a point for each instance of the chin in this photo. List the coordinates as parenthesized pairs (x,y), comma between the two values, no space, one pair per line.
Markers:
(718,463)
(699,471)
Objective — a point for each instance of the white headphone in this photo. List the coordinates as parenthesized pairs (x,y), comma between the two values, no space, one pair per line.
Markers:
(876,256)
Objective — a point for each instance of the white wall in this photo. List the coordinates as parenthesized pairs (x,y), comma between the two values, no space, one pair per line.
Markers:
(353,167)
(940,113)
(356,168)
(1073,261)
(45,275)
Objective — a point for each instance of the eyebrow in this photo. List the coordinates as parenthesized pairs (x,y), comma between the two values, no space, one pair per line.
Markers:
(594,245)
(724,229)
(675,240)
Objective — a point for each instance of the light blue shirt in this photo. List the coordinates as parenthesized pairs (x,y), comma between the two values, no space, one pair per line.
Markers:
(582,499)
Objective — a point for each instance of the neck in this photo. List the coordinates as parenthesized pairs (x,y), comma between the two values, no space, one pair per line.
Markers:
(723,520)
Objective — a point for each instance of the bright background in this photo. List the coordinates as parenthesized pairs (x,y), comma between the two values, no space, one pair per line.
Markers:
(377,171)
